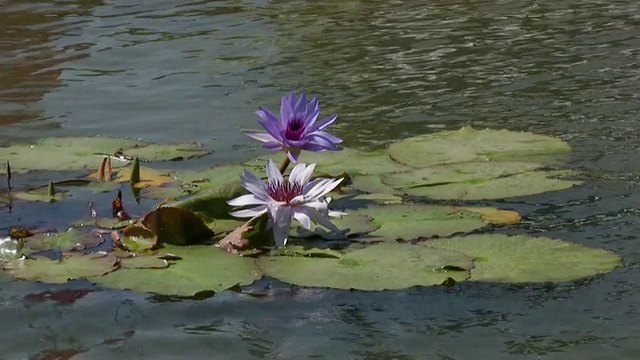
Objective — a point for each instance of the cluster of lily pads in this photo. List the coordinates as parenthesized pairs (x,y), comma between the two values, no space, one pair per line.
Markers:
(402,217)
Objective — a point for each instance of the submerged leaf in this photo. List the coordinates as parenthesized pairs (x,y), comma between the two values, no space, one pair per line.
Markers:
(71,266)
(376,267)
(138,239)
(518,259)
(468,144)
(201,268)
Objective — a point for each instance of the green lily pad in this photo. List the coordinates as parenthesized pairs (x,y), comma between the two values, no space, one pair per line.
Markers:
(143,262)
(479,180)
(519,259)
(72,239)
(335,163)
(212,203)
(372,184)
(384,266)
(82,153)
(351,225)
(202,268)
(354,200)
(111,223)
(468,144)
(166,152)
(411,221)
(138,239)
(213,178)
(41,194)
(71,266)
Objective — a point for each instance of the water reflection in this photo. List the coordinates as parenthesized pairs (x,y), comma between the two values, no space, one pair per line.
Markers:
(30,60)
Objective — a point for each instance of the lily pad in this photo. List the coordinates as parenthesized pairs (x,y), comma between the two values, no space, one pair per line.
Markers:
(42,194)
(148,177)
(177,226)
(479,180)
(334,163)
(202,268)
(112,223)
(495,216)
(71,266)
(411,221)
(351,225)
(519,259)
(384,266)
(82,153)
(143,262)
(72,239)
(213,178)
(166,152)
(137,239)
(212,203)
(468,144)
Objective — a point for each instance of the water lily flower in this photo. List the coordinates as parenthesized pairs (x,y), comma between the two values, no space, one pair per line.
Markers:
(296,197)
(296,129)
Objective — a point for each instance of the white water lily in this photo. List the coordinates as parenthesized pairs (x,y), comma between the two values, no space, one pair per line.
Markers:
(284,199)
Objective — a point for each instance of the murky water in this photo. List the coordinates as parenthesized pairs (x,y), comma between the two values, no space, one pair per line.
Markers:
(196,71)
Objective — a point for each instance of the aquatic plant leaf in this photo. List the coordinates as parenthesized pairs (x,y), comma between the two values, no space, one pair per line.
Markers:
(143,262)
(351,225)
(138,239)
(202,268)
(70,266)
(479,180)
(372,184)
(213,178)
(148,177)
(84,153)
(383,266)
(41,194)
(72,239)
(334,163)
(212,203)
(519,259)
(63,154)
(112,223)
(177,226)
(411,221)
(469,144)
(166,152)
(495,216)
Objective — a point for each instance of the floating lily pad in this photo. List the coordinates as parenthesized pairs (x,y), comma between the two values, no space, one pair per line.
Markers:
(41,194)
(177,226)
(72,239)
(137,239)
(113,223)
(166,152)
(468,144)
(335,163)
(518,259)
(213,178)
(71,266)
(479,180)
(372,184)
(143,262)
(351,225)
(82,153)
(411,221)
(377,267)
(212,203)
(496,216)
(354,200)
(202,268)
(148,177)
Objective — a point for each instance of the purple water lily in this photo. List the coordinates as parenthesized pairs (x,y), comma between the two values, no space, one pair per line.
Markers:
(297,197)
(296,129)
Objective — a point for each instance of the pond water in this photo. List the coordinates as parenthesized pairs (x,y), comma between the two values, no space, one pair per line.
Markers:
(197,70)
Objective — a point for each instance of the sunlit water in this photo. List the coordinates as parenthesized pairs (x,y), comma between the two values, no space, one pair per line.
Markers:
(196,71)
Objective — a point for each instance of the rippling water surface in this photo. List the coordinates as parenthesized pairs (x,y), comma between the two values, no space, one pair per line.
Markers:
(196,71)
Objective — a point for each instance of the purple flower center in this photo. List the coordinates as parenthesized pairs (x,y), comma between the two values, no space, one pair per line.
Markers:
(283,191)
(295,128)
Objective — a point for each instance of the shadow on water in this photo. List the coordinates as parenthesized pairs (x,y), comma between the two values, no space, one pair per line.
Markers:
(195,71)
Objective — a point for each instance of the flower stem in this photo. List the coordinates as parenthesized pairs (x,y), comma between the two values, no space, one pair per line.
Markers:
(284,165)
